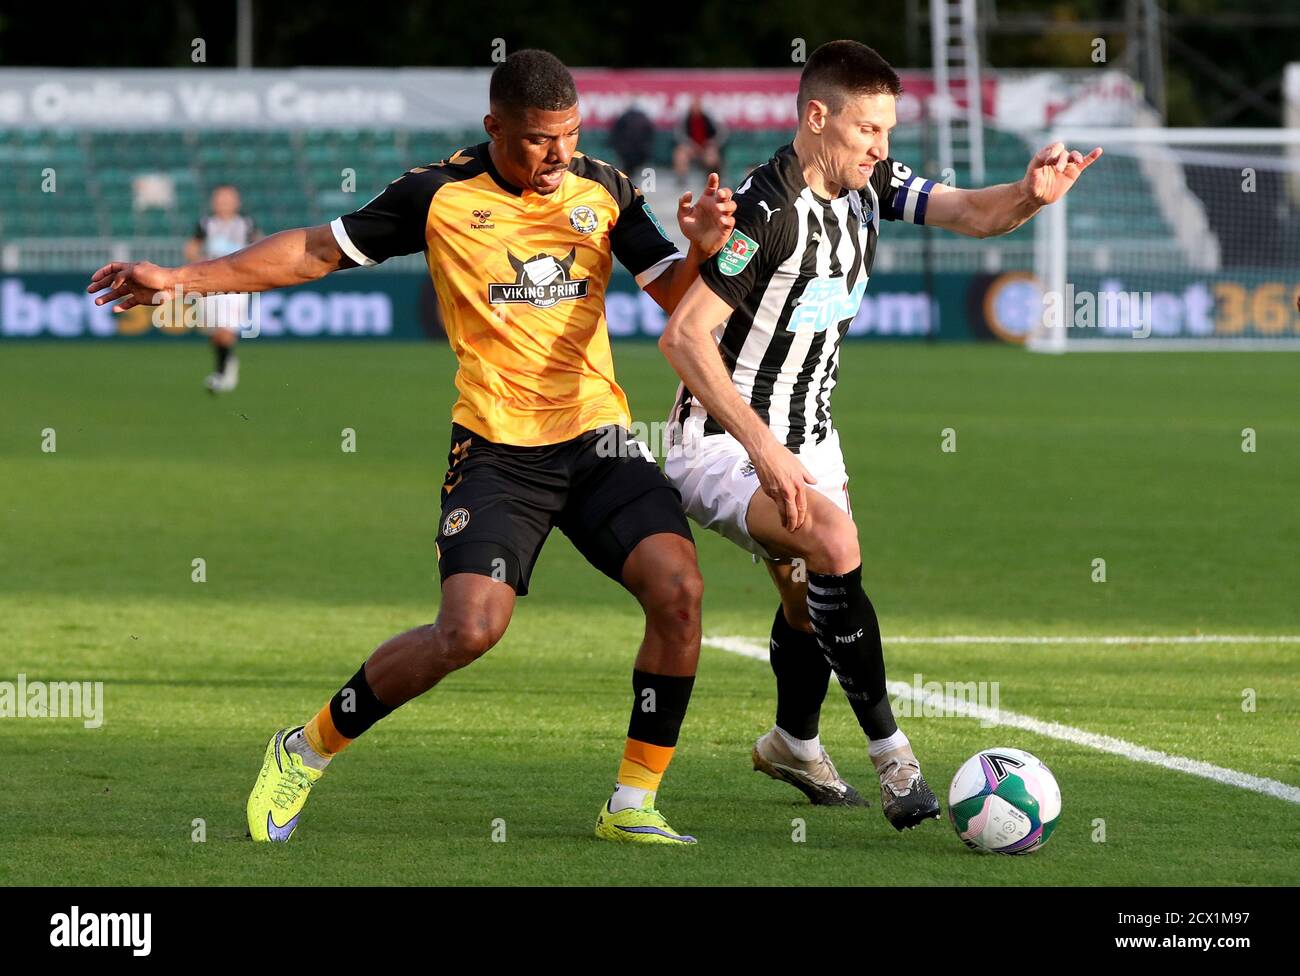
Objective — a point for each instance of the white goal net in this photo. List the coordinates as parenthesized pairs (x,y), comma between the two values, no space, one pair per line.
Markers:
(1175,238)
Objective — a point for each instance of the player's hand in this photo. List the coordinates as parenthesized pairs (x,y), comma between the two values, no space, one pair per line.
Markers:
(1053,171)
(785,480)
(131,283)
(710,221)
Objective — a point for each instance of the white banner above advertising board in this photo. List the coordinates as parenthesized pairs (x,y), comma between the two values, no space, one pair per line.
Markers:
(207,99)
(404,98)
(225,98)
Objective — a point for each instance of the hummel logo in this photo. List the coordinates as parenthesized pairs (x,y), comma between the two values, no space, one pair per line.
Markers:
(768,210)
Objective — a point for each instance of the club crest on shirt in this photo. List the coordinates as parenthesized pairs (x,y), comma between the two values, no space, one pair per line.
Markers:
(456,520)
(541,281)
(858,204)
(736,253)
(583,219)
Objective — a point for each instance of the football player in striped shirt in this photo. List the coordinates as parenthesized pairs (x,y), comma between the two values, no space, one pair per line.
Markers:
(223,231)
(753,429)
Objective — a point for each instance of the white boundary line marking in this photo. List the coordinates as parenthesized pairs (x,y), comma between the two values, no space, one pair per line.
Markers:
(757,649)
(1148,639)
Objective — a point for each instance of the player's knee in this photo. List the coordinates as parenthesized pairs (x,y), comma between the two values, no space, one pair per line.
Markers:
(673,597)
(690,591)
(466,639)
(835,549)
(684,590)
(796,613)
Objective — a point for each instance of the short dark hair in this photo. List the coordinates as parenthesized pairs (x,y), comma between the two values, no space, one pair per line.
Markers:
(839,70)
(532,79)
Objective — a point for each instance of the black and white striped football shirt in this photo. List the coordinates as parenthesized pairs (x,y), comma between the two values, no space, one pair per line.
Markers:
(222,236)
(795,271)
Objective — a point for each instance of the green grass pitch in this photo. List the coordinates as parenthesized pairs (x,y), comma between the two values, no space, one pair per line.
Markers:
(315,555)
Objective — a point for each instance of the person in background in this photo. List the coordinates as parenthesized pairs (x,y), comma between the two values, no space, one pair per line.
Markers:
(633,139)
(699,140)
(223,231)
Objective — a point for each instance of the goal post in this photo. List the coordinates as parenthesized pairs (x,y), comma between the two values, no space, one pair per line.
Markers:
(1174,239)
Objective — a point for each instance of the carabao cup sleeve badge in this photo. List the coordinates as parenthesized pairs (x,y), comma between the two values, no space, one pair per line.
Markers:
(736,253)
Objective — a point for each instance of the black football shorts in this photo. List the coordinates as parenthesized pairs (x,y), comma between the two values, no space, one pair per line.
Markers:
(500,502)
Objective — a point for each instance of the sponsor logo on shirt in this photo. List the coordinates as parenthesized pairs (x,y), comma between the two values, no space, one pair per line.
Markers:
(541,281)
(825,302)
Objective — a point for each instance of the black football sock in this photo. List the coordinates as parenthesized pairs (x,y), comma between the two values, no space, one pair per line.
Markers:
(802,676)
(223,354)
(849,634)
(658,707)
(354,708)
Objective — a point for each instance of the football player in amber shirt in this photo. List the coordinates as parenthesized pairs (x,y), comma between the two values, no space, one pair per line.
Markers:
(520,234)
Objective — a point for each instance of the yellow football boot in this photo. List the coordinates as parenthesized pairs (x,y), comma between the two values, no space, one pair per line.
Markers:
(280,792)
(644,826)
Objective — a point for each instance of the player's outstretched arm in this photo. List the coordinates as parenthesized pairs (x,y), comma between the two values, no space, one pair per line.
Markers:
(290,257)
(687,343)
(1000,209)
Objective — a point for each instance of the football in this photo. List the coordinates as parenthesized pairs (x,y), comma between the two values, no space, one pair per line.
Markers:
(1004,801)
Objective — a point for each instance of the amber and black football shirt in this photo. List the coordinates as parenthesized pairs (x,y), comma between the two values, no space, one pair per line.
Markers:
(520,278)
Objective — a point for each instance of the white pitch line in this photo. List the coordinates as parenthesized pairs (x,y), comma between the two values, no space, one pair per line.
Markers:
(1148,639)
(747,647)
(740,645)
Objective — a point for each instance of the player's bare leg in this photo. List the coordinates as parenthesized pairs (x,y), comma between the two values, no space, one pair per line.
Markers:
(662,573)
(845,623)
(475,612)
(472,618)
